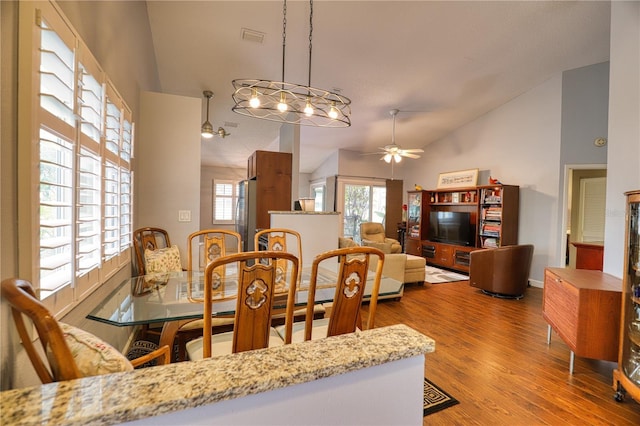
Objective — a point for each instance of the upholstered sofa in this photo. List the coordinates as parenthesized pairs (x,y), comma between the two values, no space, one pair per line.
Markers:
(403,267)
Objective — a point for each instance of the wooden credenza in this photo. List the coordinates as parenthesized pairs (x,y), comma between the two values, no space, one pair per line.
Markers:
(583,307)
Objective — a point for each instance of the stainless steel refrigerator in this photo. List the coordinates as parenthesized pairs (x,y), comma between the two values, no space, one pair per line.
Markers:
(246,213)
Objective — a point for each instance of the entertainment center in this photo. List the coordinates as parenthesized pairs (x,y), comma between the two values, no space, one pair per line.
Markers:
(445,225)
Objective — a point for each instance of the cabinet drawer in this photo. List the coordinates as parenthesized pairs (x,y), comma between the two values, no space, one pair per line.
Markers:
(560,307)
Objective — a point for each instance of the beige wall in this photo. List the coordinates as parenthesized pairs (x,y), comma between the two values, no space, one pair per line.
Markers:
(167,178)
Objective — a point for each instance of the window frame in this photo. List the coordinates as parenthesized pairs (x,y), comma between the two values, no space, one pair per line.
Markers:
(234,200)
(340,197)
(86,147)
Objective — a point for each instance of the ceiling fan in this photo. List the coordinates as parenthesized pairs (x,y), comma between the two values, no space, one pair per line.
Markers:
(394,151)
(221,132)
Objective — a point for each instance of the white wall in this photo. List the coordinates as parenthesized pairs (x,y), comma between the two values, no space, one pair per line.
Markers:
(518,143)
(623,171)
(167,176)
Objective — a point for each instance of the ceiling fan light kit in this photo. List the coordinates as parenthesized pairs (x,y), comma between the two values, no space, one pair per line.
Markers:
(288,102)
(206,131)
(393,151)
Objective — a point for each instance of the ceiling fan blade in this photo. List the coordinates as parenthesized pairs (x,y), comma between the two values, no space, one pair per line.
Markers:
(409,155)
(413,150)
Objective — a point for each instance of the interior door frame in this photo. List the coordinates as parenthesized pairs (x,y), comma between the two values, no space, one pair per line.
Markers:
(568,173)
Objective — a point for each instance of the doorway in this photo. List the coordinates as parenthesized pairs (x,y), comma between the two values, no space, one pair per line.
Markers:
(584,207)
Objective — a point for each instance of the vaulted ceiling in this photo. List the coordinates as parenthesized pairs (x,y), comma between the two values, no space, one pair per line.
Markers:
(441,63)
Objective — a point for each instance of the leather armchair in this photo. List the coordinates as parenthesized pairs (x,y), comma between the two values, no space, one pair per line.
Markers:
(501,272)
(372,234)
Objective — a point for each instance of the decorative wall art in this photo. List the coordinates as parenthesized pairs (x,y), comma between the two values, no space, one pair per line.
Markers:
(459,179)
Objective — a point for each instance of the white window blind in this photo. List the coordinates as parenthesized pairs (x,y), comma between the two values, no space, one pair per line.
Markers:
(111,210)
(56,212)
(225,198)
(77,219)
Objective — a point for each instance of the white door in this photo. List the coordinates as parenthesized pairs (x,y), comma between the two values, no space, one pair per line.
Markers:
(592,209)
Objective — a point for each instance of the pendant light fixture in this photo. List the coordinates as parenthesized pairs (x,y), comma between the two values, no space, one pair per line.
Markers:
(289,102)
(207,129)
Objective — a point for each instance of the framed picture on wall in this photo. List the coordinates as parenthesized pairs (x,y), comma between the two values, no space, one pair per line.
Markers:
(459,179)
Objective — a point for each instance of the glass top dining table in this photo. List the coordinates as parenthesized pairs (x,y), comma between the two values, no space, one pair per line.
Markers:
(175,297)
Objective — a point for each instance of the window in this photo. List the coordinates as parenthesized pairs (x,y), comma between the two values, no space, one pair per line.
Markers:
(76,150)
(225,199)
(360,201)
(318,194)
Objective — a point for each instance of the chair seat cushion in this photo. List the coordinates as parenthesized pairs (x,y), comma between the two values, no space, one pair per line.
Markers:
(215,322)
(92,355)
(318,331)
(222,344)
(162,260)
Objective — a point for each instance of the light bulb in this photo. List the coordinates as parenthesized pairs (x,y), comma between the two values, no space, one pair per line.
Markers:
(387,158)
(308,109)
(333,112)
(254,102)
(397,158)
(282,105)
(207,130)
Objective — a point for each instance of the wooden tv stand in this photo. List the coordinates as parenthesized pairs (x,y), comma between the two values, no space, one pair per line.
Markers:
(583,307)
(447,255)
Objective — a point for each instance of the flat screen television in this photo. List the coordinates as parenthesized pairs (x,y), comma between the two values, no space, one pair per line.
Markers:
(451,227)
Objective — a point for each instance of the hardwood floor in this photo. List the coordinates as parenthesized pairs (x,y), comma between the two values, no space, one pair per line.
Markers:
(492,355)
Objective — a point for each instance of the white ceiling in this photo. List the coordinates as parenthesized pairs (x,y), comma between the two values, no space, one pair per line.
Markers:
(441,63)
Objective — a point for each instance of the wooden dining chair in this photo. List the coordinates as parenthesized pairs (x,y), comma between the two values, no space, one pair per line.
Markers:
(350,283)
(280,239)
(203,247)
(289,240)
(69,352)
(256,282)
(148,239)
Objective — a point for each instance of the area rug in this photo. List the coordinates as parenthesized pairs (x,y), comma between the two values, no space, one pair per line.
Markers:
(437,276)
(435,399)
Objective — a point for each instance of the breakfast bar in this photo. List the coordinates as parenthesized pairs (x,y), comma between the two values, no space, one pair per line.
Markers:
(369,377)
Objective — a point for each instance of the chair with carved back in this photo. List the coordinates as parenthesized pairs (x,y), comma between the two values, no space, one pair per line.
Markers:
(148,239)
(289,240)
(350,282)
(256,276)
(203,247)
(154,254)
(67,352)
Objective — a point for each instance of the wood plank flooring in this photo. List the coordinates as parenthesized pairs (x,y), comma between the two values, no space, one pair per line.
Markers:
(492,355)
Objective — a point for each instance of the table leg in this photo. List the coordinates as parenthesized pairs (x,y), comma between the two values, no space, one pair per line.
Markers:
(168,334)
(548,335)
(571,361)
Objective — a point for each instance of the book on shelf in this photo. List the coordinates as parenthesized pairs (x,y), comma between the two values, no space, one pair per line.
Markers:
(490,242)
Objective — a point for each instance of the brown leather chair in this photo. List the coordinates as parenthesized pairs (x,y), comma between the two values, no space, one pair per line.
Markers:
(501,272)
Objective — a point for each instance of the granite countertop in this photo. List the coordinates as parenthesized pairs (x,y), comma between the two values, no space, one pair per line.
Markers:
(302,212)
(121,397)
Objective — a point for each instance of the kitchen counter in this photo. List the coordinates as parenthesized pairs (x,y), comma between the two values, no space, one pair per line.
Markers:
(155,391)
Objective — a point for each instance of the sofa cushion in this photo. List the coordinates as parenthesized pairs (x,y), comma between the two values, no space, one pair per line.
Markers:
(383,247)
(415,262)
(344,242)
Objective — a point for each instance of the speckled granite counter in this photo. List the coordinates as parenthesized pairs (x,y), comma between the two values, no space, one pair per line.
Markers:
(150,392)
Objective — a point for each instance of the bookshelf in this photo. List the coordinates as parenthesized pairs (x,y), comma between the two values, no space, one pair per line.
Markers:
(498,224)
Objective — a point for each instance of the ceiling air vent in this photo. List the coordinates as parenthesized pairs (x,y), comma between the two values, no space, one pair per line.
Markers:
(252,35)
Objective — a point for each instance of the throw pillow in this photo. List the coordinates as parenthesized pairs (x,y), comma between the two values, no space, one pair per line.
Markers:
(92,355)
(162,260)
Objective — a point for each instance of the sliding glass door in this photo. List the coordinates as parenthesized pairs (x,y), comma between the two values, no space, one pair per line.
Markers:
(362,201)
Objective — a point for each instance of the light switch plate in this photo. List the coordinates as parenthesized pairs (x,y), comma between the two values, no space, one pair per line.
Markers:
(184,215)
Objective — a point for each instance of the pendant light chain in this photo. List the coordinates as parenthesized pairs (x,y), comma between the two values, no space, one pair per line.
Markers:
(284,34)
(310,37)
